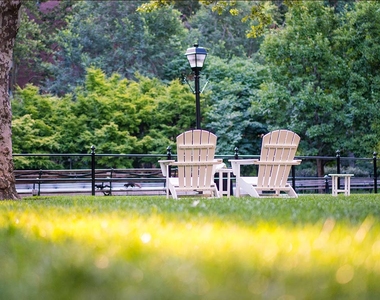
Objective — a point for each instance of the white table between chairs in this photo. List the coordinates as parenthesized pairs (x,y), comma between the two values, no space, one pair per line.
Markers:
(347,184)
(221,173)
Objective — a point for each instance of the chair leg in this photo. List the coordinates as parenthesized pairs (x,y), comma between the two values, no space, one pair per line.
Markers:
(174,193)
(216,193)
(171,189)
(237,191)
(248,188)
(292,193)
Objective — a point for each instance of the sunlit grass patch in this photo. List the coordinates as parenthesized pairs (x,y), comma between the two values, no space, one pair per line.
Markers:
(313,247)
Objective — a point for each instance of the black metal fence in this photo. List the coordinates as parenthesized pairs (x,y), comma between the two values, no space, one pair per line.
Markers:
(146,172)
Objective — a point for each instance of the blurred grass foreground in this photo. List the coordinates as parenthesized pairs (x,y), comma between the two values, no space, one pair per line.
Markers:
(84,247)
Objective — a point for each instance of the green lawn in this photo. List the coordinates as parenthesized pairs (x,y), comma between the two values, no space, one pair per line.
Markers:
(84,247)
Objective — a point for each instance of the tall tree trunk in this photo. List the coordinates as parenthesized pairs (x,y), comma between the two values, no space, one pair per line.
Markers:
(9,23)
(320,167)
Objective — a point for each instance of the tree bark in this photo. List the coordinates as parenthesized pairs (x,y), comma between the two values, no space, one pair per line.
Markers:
(9,24)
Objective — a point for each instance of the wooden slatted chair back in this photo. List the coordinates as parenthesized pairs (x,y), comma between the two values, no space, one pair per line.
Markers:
(277,154)
(195,159)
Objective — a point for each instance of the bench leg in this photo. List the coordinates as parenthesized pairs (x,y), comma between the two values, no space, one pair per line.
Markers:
(334,184)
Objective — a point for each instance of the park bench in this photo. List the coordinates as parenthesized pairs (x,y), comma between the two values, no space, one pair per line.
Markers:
(137,181)
(362,183)
(107,181)
(311,185)
(318,184)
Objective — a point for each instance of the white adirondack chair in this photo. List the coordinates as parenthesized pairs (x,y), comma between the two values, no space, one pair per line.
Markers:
(196,165)
(276,159)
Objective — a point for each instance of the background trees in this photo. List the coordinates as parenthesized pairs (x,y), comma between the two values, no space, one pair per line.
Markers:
(359,42)
(117,115)
(26,55)
(318,81)
(304,69)
(234,84)
(314,70)
(224,34)
(112,36)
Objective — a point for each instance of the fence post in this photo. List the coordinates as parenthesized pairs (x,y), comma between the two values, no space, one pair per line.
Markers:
(39,182)
(338,166)
(326,184)
(111,176)
(169,157)
(169,153)
(93,170)
(375,171)
(236,155)
(294,177)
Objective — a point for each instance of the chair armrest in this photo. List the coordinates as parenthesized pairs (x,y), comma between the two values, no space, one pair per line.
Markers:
(164,166)
(220,165)
(236,163)
(195,163)
(278,162)
(249,161)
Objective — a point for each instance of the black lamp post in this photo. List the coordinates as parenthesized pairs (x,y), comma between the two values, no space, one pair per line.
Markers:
(196,57)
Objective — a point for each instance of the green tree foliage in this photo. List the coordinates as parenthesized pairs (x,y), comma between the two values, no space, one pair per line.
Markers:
(224,34)
(358,39)
(110,35)
(34,44)
(29,45)
(233,85)
(299,94)
(32,128)
(323,81)
(260,13)
(317,74)
(175,111)
(187,8)
(323,78)
(114,114)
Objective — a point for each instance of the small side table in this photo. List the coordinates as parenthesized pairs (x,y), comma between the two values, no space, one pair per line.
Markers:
(335,187)
(221,172)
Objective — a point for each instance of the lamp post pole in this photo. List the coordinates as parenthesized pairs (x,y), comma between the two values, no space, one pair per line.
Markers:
(196,57)
(197,98)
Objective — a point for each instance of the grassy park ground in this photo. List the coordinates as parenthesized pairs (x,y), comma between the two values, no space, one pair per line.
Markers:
(85,247)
